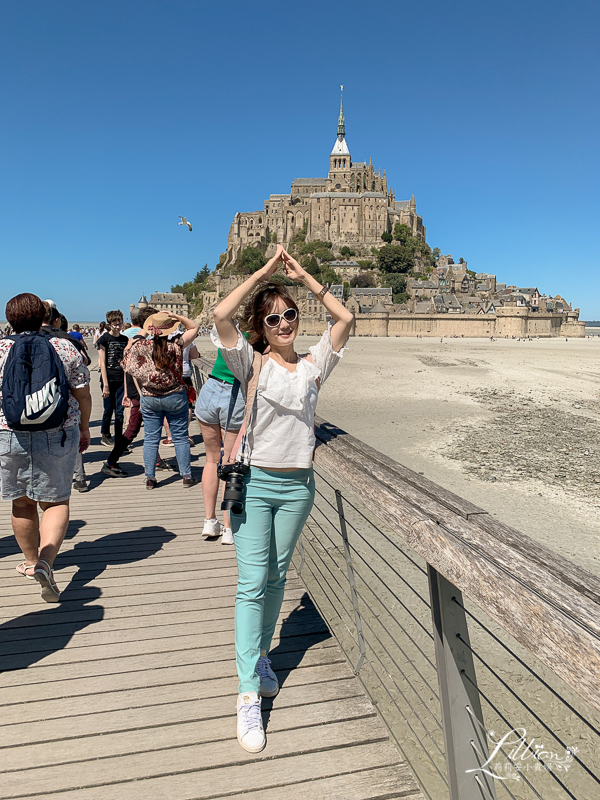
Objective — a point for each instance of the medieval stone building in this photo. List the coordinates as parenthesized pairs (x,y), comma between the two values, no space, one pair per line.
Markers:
(351,206)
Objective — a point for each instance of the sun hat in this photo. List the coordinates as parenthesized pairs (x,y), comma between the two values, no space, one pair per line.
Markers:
(161,324)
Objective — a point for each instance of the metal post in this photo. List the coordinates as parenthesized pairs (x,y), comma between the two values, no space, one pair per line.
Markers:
(464,738)
(353,594)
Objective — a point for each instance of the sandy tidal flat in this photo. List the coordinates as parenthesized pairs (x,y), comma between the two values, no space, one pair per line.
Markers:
(512,426)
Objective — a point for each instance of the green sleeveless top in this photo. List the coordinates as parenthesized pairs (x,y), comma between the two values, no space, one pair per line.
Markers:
(220,369)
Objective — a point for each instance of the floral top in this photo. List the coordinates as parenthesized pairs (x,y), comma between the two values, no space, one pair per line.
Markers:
(77,374)
(139,363)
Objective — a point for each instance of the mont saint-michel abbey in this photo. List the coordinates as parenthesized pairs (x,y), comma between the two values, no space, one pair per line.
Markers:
(351,206)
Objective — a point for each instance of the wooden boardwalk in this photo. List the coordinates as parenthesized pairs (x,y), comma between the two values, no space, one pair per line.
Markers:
(126,689)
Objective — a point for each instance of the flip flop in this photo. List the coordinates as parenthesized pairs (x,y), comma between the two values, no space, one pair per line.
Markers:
(24,566)
(45,577)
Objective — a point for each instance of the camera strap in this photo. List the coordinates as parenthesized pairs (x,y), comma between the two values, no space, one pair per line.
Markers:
(251,388)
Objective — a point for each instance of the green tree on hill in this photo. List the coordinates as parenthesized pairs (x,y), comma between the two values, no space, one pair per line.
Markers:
(395,258)
(364,281)
(387,237)
(402,233)
(397,282)
(249,260)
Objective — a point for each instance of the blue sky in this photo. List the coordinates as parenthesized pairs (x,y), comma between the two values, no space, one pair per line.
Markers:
(116,117)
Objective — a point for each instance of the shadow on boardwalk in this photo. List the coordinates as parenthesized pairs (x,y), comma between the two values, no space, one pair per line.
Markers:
(30,638)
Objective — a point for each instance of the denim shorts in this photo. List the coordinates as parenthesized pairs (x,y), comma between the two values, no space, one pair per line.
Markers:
(212,405)
(38,464)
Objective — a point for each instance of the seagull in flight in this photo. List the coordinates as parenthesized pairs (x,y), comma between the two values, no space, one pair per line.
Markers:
(185,222)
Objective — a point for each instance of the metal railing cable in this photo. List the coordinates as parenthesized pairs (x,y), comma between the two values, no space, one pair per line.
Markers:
(530,710)
(367,542)
(385,669)
(507,757)
(371,523)
(422,652)
(528,668)
(382,642)
(403,674)
(390,590)
(387,673)
(383,685)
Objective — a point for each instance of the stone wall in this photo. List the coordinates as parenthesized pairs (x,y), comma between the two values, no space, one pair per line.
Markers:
(518,322)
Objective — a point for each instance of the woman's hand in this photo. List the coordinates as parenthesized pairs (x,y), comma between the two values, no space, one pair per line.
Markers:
(292,268)
(270,267)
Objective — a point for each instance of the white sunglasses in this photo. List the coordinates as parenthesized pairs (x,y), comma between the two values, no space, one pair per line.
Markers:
(273,320)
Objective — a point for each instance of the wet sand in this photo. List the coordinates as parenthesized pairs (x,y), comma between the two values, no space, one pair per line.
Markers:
(512,426)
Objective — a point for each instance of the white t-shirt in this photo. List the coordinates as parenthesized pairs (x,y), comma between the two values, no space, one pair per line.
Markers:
(282,434)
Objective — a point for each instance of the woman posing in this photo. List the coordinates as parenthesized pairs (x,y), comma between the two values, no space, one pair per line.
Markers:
(156,363)
(279,489)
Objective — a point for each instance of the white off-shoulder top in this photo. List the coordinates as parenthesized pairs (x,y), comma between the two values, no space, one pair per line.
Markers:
(282,432)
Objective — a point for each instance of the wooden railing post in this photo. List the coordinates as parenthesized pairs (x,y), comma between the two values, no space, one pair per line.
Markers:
(465,740)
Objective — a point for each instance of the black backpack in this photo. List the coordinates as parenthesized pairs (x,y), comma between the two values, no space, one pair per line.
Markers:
(35,392)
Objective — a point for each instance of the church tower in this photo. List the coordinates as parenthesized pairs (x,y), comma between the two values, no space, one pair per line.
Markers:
(339,160)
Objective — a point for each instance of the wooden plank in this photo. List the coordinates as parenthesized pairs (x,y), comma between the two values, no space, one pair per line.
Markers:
(84,640)
(34,626)
(185,685)
(372,784)
(194,756)
(254,776)
(175,667)
(165,736)
(186,707)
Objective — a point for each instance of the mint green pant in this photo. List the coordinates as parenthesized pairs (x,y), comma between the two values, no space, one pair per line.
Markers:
(277,505)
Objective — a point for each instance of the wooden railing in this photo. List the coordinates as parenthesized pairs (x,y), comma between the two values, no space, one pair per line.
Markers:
(533,632)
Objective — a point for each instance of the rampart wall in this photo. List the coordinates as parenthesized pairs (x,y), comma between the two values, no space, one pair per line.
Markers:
(518,322)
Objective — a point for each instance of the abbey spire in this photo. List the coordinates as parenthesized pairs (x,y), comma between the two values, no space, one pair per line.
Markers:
(341,125)
(340,155)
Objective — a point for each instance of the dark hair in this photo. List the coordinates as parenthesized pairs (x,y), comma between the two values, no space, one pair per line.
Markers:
(260,306)
(50,313)
(76,327)
(25,312)
(64,323)
(145,312)
(114,316)
(102,326)
(162,356)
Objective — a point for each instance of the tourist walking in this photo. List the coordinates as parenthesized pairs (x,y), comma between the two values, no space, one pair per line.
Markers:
(39,440)
(279,487)
(111,346)
(212,407)
(157,363)
(131,402)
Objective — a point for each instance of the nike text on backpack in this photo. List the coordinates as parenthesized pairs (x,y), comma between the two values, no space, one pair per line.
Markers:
(35,392)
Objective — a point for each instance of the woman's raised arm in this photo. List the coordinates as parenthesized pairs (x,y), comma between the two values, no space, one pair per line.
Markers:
(224,312)
(342,318)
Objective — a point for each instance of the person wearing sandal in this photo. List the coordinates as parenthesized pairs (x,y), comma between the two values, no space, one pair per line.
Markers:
(36,466)
(282,389)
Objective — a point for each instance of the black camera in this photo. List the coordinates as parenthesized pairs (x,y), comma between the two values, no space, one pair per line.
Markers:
(233,475)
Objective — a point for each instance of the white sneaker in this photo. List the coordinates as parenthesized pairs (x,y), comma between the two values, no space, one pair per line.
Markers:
(250,733)
(227,536)
(269,685)
(211,529)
